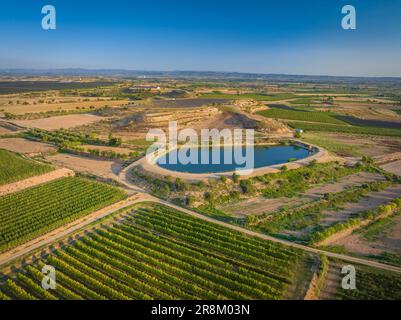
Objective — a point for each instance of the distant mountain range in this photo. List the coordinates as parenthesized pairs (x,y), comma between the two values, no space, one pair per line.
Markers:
(123,73)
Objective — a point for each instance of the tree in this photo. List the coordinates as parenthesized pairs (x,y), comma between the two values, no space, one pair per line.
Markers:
(235,177)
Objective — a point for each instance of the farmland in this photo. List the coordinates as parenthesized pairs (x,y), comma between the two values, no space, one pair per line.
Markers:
(371,284)
(258,97)
(115,231)
(32,212)
(148,256)
(311,116)
(13,167)
(374,286)
(347,129)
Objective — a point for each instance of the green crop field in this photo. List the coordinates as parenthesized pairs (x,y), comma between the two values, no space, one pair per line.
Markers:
(311,116)
(347,129)
(254,96)
(13,167)
(159,253)
(29,213)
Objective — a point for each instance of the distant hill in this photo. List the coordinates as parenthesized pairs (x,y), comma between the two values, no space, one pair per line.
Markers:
(201,75)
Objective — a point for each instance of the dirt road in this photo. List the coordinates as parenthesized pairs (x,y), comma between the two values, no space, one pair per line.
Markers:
(63,231)
(36,180)
(343,257)
(124,179)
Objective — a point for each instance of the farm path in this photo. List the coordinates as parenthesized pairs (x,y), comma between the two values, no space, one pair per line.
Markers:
(343,257)
(35,181)
(63,231)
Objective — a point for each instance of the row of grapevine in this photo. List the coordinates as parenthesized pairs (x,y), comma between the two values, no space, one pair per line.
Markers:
(13,167)
(35,211)
(157,253)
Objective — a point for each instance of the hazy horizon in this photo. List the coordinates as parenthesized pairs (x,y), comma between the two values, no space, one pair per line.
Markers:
(262,37)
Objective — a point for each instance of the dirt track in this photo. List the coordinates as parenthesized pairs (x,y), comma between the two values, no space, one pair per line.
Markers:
(393,167)
(21,145)
(59,233)
(33,181)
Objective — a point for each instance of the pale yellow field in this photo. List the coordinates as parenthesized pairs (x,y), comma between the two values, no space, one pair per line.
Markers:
(59,122)
(20,145)
(34,108)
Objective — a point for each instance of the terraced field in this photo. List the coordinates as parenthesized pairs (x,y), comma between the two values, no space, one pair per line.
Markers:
(257,97)
(346,129)
(158,253)
(29,213)
(310,116)
(13,167)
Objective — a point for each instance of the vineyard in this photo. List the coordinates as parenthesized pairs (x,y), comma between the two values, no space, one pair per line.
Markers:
(347,129)
(373,285)
(35,211)
(13,168)
(312,116)
(158,253)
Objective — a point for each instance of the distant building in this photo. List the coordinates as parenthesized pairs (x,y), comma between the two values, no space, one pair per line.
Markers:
(143,87)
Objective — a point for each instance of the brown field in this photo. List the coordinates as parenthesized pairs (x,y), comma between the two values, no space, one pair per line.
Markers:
(378,100)
(330,217)
(389,241)
(21,145)
(59,122)
(36,180)
(5,131)
(186,103)
(102,168)
(393,167)
(259,205)
(35,108)
(372,146)
(366,111)
(373,200)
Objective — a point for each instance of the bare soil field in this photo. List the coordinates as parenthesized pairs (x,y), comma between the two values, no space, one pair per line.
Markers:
(373,200)
(102,168)
(21,145)
(333,281)
(34,181)
(366,99)
(259,205)
(34,108)
(367,111)
(389,241)
(371,146)
(186,103)
(59,122)
(393,167)
(5,131)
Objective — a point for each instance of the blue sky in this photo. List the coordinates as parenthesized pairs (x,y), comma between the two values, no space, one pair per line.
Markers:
(286,36)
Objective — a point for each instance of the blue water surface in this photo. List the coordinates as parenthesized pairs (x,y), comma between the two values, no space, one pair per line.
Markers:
(263,156)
